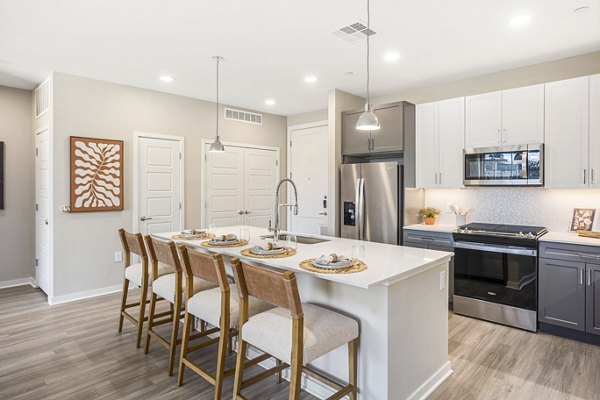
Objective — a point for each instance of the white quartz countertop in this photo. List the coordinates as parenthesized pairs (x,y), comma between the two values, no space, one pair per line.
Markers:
(432,228)
(387,264)
(569,237)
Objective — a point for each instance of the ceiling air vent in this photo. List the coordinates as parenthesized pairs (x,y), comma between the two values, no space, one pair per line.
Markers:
(243,116)
(42,99)
(353,32)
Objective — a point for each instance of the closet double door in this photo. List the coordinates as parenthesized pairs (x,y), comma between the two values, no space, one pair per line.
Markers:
(240,186)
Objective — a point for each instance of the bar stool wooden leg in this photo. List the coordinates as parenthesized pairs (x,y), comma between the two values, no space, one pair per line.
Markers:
(185,340)
(142,311)
(174,333)
(224,345)
(353,366)
(239,368)
(150,321)
(123,303)
(297,353)
(278,363)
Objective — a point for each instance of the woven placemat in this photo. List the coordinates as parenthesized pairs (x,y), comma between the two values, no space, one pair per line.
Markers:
(240,243)
(287,253)
(357,266)
(201,237)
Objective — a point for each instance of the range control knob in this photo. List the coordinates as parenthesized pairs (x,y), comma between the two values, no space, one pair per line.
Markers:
(530,235)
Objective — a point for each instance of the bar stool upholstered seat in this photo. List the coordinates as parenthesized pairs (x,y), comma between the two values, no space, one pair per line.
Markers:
(165,286)
(324,331)
(134,272)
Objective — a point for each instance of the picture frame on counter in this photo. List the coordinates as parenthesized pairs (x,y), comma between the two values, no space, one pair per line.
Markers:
(583,219)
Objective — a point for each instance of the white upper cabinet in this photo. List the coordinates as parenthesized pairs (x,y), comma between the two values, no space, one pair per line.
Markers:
(508,117)
(567,133)
(440,143)
(523,115)
(595,131)
(483,120)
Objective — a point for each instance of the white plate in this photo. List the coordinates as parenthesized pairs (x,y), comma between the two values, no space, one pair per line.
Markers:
(333,265)
(223,243)
(264,252)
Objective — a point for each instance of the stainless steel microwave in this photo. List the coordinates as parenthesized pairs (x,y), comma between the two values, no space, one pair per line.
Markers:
(504,166)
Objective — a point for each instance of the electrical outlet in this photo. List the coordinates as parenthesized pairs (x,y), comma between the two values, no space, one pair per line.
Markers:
(118,256)
(442,280)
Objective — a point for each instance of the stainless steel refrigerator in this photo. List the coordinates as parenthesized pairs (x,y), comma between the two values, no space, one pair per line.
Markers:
(372,202)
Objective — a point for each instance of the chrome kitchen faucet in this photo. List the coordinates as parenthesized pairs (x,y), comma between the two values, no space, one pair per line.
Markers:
(293,207)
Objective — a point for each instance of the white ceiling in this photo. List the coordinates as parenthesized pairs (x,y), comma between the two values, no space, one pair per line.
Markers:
(270,45)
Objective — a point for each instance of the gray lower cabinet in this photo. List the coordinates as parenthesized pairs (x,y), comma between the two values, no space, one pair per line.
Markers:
(569,286)
(433,241)
(562,293)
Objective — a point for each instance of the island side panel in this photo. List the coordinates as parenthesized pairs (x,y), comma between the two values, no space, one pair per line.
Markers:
(370,308)
(418,334)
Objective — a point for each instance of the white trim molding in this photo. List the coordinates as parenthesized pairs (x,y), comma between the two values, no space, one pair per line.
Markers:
(86,294)
(18,282)
(135,208)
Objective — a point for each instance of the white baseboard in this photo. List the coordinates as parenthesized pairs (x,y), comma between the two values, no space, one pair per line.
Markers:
(18,282)
(432,383)
(86,294)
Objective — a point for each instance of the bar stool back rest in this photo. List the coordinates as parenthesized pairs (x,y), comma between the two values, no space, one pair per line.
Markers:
(132,243)
(163,251)
(210,268)
(277,288)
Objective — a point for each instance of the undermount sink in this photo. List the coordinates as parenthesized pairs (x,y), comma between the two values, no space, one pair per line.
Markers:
(299,238)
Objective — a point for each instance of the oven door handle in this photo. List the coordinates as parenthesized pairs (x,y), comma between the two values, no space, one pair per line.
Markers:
(496,249)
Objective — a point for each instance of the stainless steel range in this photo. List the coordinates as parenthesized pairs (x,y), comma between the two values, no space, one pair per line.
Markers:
(495,273)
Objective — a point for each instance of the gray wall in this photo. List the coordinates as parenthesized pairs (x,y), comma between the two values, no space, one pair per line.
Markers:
(308,117)
(85,243)
(17,231)
(572,67)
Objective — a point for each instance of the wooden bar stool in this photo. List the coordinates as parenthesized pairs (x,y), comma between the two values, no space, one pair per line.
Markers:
(218,308)
(293,332)
(169,287)
(137,274)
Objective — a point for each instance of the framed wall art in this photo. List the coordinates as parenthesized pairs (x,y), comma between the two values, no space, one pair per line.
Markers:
(96,174)
(583,219)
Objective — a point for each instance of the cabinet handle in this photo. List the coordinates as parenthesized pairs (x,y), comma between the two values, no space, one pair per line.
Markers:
(593,176)
(584,176)
(440,178)
(589,276)
(435,174)
(372,143)
(581,276)
(504,135)
(498,137)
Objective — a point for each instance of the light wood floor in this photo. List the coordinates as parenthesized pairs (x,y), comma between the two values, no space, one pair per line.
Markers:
(73,351)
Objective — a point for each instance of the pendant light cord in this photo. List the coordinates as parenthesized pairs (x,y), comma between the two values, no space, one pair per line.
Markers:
(217,111)
(368,52)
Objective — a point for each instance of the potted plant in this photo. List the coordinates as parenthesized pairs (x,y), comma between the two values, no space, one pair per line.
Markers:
(429,214)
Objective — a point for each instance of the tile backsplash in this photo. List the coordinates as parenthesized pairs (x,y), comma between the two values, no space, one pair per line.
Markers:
(515,205)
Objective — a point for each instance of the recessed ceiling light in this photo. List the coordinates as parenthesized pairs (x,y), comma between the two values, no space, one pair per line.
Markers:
(391,56)
(310,79)
(270,102)
(519,21)
(166,78)
(581,9)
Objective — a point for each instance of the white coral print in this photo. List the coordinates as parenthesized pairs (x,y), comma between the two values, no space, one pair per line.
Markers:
(98,177)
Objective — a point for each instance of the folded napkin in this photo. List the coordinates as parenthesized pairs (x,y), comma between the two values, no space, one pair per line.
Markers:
(191,232)
(225,238)
(332,258)
(271,246)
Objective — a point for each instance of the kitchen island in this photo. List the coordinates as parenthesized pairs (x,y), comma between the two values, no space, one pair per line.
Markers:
(400,302)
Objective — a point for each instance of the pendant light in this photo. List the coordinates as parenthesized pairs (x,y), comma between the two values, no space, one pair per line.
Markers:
(368,120)
(217,146)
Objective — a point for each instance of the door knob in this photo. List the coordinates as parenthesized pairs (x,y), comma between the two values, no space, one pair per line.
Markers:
(45,222)
(246,212)
(240,213)
(323,213)
(144,218)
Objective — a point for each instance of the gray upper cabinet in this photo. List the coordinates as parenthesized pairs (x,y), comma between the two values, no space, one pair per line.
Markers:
(562,293)
(593,299)
(397,121)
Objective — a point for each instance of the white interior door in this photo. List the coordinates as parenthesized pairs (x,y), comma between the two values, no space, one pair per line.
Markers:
(42,201)
(225,187)
(308,168)
(159,185)
(259,181)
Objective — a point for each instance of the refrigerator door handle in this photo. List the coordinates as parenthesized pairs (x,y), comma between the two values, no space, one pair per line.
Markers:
(361,207)
(357,208)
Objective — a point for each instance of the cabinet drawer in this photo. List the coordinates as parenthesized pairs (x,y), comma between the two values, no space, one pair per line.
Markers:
(569,252)
(429,239)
